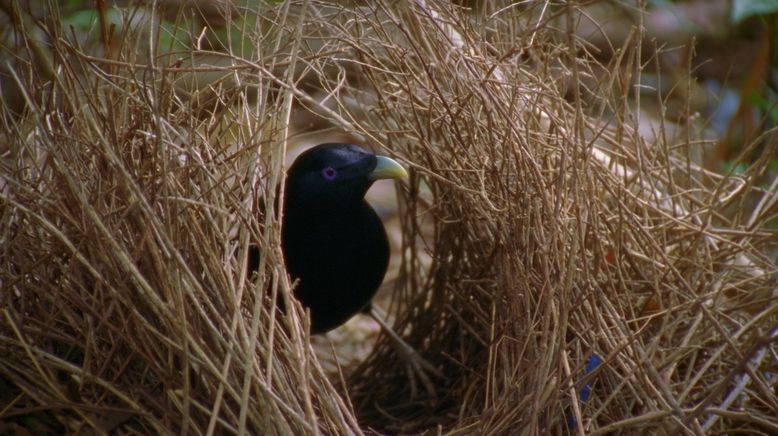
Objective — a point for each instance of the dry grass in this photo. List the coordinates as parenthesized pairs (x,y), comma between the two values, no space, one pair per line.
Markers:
(539,229)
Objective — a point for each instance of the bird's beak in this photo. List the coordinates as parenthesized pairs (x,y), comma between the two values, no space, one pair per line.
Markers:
(387,168)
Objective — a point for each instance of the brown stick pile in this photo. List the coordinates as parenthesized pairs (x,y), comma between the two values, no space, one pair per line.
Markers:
(541,231)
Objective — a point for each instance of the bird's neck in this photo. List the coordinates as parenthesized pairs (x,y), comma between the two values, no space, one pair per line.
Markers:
(295,202)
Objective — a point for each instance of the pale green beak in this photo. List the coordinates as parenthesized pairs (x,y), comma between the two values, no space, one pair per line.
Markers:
(387,168)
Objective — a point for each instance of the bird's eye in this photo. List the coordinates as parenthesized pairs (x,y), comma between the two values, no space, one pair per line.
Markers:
(329,173)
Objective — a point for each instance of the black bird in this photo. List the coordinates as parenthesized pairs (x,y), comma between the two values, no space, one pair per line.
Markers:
(332,240)
(335,244)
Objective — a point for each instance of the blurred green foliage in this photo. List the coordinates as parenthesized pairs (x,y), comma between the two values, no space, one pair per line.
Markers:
(181,30)
(743,9)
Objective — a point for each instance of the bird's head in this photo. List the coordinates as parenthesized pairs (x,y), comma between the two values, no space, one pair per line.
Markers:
(337,175)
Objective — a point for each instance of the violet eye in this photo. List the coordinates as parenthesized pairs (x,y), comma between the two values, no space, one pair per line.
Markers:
(329,173)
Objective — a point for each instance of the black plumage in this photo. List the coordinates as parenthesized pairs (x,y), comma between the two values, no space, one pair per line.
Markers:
(333,241)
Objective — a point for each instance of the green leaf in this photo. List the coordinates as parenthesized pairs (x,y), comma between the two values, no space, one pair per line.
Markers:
(742,9)
(728,167)
(82,21)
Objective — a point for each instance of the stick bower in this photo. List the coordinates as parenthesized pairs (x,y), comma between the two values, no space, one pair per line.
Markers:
(564,272)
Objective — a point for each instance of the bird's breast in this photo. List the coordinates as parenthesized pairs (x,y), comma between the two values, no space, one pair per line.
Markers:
(340,260)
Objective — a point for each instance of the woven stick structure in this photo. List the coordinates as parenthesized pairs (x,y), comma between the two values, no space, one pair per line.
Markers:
(565,273)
